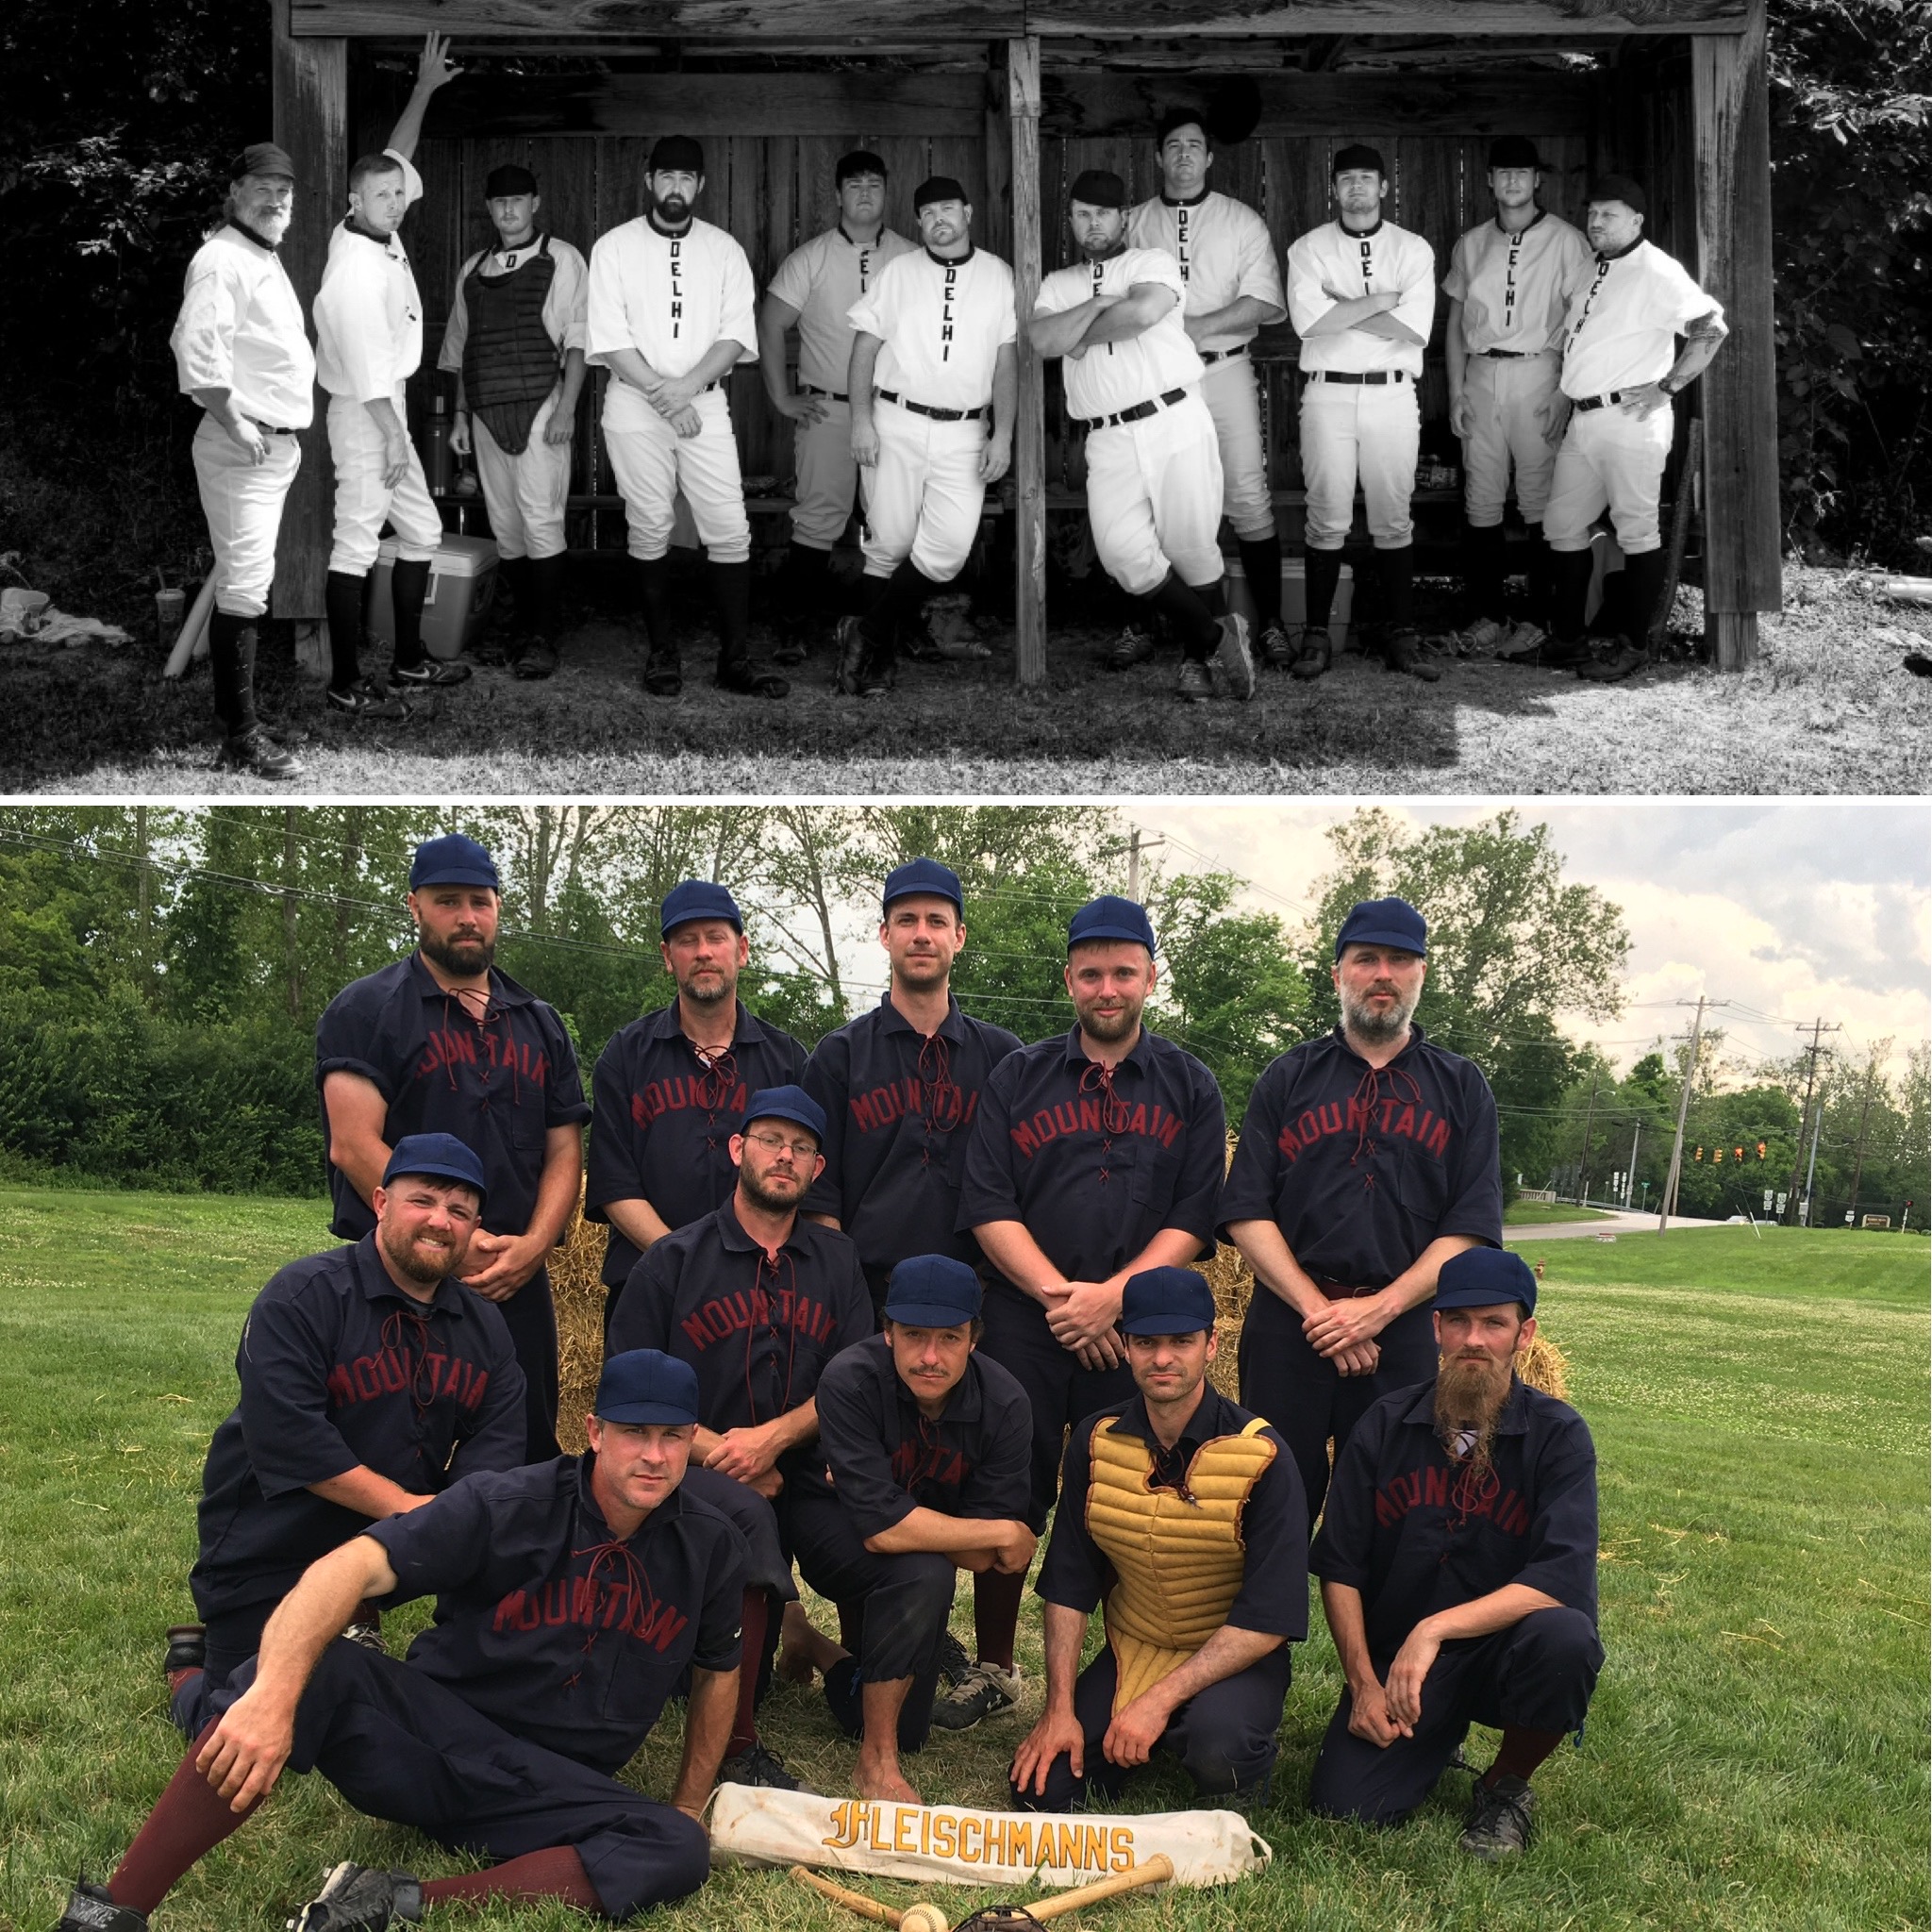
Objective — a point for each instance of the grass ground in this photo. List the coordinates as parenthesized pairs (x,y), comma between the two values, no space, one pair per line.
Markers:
(1826,709)
(1755,1756)
(1542,1213)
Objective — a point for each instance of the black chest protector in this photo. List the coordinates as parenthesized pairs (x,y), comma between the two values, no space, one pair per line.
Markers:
(510,362)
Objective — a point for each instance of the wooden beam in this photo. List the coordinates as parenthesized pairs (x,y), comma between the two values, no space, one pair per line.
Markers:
(1361,18)
(1743,572)
(311,79)
(1029,431)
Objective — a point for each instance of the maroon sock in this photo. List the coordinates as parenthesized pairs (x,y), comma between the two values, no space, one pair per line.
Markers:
(1521,1752)
(753,1620)
(996,1616)
(851,1628)
(556,1873)
(189,1820)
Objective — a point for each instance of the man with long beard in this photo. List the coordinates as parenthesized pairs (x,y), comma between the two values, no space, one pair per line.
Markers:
(1368,1158)
(1457,1560)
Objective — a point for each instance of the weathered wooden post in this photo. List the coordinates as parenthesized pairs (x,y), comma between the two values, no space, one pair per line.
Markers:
(1029,431)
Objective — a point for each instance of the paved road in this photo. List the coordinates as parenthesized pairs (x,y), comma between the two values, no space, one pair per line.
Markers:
(1611,1223)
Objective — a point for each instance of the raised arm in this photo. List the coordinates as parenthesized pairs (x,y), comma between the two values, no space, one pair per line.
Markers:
(433,70)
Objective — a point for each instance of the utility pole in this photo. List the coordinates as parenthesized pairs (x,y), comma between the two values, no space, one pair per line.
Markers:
(1583,1165)
(1668,1199)
(1864,1115)
(1136,845)
(1630,1178)
(1818,1027)
(1818,1121)
(144,903)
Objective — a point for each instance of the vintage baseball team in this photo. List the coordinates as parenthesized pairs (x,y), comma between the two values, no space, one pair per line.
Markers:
(878,1315)
(1561,348)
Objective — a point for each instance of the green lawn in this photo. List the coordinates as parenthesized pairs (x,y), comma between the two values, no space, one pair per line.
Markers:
(1755,1756)
(1542,1213)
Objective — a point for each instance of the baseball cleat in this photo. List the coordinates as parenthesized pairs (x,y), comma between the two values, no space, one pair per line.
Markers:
(663,674)
(366,1634)
(1524,636)
(985,1690)
(1618,659)
(187,1648)
(1481,639)
(951,1659)
(741,676)
(1234,663)
(1501,1819)
(1133,646)
(1313,654)
(537,660)
(755,1765)
(1549,654)
(431,674)
(1195,681)
(1275,649)
(1402,650)
(357,1898)
(90,1909)
(862,672)
(363,700)
(256,753)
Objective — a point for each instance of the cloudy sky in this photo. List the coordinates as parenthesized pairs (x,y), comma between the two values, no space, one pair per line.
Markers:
(1790,910)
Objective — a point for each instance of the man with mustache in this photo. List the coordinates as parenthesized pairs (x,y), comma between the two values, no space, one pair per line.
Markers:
(445,1042)
(1457,1560)
(670,1087)
(372,1379)
(1368,1156)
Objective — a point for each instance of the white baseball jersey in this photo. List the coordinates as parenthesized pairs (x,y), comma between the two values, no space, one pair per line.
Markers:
(1381,260)
(1223,251)
(1621,328)
(241,329)
(1113,376)
(822,279)
(368,315)
(1514,289)
(565,305)
(670,297)
(943,324)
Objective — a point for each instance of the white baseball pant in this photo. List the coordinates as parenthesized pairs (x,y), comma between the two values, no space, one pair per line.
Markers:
(243,503)
(1614,461)
(1503,394)
(1371,431)
(364,501)
(653,463)
(1154,498)
(925,495)
(1227,388)
(524,494)
(828,478)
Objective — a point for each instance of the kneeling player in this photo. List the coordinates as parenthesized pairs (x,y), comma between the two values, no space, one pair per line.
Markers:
(572,1597)
(1458,1558)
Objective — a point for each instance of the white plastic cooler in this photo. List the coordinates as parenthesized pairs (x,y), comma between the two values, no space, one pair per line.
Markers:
(462,581)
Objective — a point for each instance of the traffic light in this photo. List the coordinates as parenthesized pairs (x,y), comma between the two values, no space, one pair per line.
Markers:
(1699,1155)
(1741,1154)
(1760,1150)
(1717,1157)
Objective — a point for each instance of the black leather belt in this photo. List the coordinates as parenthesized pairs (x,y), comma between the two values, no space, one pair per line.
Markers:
(272,429)
(1589,403)
(831,395)
(1343,1290)
(938,415)
(1224,355)
(1375,377)
(1513,355)
(1133,412)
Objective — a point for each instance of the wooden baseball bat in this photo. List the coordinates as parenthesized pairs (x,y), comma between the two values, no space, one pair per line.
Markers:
(852,1901)
(194,628)
(1158,1868)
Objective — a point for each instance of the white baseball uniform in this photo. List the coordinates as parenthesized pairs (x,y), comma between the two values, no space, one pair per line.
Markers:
(1514,289)
(1354,428)
(241,329)
(368,344)
(1223,251)
(1619,333)
(822,279)
(673,298)
(524,494)
(943,324)
(1153,483)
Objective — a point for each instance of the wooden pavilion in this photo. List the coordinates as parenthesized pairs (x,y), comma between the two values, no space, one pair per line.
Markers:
(1015,97)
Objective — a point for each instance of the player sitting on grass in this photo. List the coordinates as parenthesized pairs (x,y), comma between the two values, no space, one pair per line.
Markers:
(572,1598)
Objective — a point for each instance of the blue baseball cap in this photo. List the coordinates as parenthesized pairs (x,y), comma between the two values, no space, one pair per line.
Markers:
(786,1104)
(1110,918)
(442,1157)
(1384,923)
(453,860)
(646,1385)
(932,1292)
(697,899)
(1166,1301)
(1483,1277)
(923,875)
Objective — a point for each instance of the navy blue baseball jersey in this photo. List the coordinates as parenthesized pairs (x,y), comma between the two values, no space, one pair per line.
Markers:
(1096,1161)
(666,1119)
(1361,1168)
(551,1627)
(499,1085)
(338,1368)
(759,1332)
(899,1109)
(1273,1596)
(883,1456)
(1416,1533)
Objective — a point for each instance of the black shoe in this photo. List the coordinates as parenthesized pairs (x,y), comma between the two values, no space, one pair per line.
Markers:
(860,673)
(367,1634)
(1620,659)
(537,660)
(986,1690)
(741,676)
(256,753)
(356,1898)
(431,673)
(757,1766)
(1313,654)
(663,674)
(1500,1820)
(952,1660)
(363,700)
(187,1648)
(1274,647)
(789,650)
(90,1909)
(1552,653)
(1402,650)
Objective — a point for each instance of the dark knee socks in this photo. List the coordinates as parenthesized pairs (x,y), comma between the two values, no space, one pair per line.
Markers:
(231,659)
(341,599)
(898,598)
(754,1620)
(1542,580)
(1569,592)
(1186,609)
(1482,570)
(1521,1752)
(547,595)
(555,1873)
(996,1616)
(408,586)
(1643,590)
(651,577)
(1324,569)
(516,576)
(1261,561)
(731,586)
(188,1822)
(1397,570)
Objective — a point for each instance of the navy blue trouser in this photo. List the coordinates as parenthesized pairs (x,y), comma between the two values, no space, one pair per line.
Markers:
(1537,1674)
(1223,1735)
(531,1318)
(400,1746)
(1307,1398)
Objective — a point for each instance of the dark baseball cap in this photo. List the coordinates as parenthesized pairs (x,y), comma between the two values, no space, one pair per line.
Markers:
(861,161)
(932,1291)
(786,1104)
(697,899)
(675,154)
(263,157)
(926,875)
(1110,918)
(1384,923)
(937,188)
(436,1156)
(511,178)
(1099,188)
(1166,1301)
(646,1385)
(453,860)
(1182,117)
(1514,151)
(1484,1278)
(1619,188)
(1359,154)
